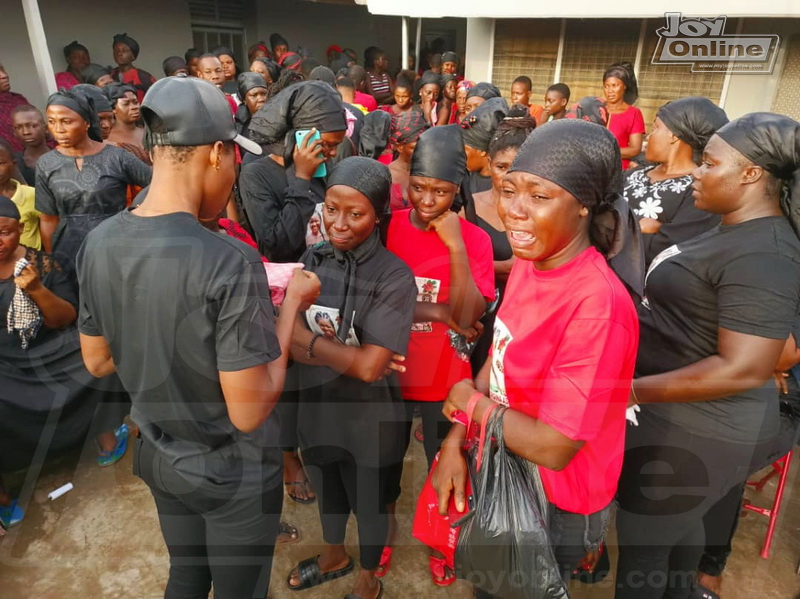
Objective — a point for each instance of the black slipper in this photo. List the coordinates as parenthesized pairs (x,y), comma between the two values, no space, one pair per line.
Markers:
(292,532)
(310,575)
(701,592)
(295,497)
(378,596)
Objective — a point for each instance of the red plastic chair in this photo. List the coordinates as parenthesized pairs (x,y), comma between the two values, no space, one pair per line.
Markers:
(781,467)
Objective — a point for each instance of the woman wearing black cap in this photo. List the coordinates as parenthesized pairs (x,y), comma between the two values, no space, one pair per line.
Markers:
(478,128)
(102,106)
(661,195)
(253,92)
(429,87)
(564,340)
(126,50)
(279,194)
(452,262)
(626,121)
(83,181)
(718,313)
(350,422)
(77,57)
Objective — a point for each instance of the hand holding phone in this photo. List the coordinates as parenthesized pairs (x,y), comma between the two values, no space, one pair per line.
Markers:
(309,160)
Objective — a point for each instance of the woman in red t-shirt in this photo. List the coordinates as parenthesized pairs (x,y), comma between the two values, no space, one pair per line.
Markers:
(625,120)
(565,337)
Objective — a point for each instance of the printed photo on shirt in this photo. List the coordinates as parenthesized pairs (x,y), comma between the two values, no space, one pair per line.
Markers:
(315,230)
(427,291)
(497,379)
(325,321)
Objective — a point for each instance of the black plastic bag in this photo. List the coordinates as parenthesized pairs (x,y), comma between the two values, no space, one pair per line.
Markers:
(504,546)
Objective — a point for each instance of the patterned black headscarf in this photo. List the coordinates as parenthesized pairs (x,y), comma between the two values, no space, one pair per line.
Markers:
(583,158)
(484,90)
(480,125)
(693,120)
(771,141)
(407,126)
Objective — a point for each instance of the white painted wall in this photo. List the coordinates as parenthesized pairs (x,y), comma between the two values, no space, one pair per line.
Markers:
(480,49)
(162,28)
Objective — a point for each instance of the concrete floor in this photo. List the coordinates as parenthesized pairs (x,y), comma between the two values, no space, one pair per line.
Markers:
(102,540)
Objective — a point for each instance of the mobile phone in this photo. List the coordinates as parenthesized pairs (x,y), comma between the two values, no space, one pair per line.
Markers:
(299,136)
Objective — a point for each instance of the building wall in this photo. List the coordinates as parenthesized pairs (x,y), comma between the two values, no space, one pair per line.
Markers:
(787,100)
(162,28)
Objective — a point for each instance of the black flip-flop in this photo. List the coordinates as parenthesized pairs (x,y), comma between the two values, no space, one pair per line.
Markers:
(284,528)
(297,499)
(310,575)
(378,596)
(701,592)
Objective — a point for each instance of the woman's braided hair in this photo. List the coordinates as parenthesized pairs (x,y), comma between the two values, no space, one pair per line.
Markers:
(513,130)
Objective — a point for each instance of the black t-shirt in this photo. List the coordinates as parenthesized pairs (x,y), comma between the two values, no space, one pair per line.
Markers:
(337,412)
(178,303)
(744,278)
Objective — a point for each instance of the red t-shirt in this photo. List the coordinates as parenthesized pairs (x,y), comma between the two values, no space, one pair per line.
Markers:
(625,124)
(432,365)
(366,101)
(563,351)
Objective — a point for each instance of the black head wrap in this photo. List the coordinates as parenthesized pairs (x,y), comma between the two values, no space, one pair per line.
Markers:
(583,159)
(93,72)
(590,109)
(8,209)
(173,64)
(124,38)
(484,90)
(337,64)
(693,120)
(101,101)
(74,46)
(440,155)
(273,67)
(445,79)
(324,74)
(624,72)
(304,105)
(374,136)
(276,39)
(83,105)
(450,57)
(771,141)
(407,127)
(247,81)
(223,51)
(115,91)
(479,125)
(428,77)
(373,180)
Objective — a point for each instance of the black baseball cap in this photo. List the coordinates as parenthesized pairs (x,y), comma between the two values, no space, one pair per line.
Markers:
(194,112)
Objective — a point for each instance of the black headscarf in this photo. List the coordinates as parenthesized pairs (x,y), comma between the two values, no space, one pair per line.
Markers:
(771,141)
(276,39)
(440,155)
(407,127)
(450,57)
(101,101)
(223,51)
(273,67)
(83,105)
(115,91)
(693,120)
(591,109)
(484,90)
(583,158)
(124,38)
(373,180)
(304,105)
(480,125)
(337,64)
(172,64)
(247,81)
(74,46)
(92,72)
(324,74)
(427,78)
(8,209)
(624,72)
(374,136)
(447,78)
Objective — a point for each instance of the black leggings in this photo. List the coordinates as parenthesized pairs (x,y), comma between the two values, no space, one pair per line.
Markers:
(434,429)
(659,526)
(227,540)
(343,486)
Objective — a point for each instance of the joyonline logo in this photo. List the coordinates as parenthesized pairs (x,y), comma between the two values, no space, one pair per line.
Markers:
(703,44)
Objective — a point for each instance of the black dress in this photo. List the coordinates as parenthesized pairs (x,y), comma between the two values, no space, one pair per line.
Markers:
(47,384)
(84,198)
